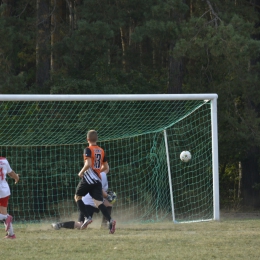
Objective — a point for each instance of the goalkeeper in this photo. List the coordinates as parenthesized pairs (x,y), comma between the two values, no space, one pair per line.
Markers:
(91,207)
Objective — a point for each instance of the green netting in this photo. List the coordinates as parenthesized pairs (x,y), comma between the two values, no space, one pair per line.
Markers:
(44,143)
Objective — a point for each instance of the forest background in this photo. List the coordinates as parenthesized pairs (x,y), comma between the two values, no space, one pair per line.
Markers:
(147,47)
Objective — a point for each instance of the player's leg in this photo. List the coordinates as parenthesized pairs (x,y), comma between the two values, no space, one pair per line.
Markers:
(74,224)
(66,224)
(92,210)
(3,213)
(96,194)
(10,232)
(112,222)
(3,208)
(85,221)
(84,211)
(104,223)
(81,190)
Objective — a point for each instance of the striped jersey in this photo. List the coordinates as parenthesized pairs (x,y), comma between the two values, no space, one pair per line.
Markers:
(98,157)
(4,170)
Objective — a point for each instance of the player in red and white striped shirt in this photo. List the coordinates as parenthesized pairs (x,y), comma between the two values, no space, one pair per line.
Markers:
(5,194)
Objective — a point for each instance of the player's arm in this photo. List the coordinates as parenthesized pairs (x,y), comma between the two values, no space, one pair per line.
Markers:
(104,193)
(105,167)
(105,196)
(14,176)
(86,166)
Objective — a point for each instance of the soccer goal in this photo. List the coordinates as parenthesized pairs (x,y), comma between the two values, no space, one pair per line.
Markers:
(43,137)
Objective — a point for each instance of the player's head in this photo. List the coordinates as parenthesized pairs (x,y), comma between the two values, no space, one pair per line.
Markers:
(92,136)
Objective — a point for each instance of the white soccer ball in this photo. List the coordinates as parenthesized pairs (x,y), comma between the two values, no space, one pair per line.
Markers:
(185,156)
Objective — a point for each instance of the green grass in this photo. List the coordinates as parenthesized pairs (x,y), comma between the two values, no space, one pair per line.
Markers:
(225,239)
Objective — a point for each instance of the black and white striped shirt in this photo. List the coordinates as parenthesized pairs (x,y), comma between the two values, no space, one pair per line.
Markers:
(91,176)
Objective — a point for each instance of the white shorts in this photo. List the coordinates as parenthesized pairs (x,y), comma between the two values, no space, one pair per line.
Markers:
(4,189)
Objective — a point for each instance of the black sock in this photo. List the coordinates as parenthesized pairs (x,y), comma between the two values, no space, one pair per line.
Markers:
(104,220)
(109,210)
(104,211)
(91,210)
(68,224)
(81,217)
(82,208)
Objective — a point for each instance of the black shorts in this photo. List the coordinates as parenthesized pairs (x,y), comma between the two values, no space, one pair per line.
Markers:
(95,189)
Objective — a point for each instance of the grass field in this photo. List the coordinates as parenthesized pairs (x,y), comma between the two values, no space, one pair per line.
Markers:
(229,238)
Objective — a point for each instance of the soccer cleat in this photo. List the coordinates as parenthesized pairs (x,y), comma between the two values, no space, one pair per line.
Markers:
(86,223)
(56,226)
(10,237)
(7,222)
(112,226)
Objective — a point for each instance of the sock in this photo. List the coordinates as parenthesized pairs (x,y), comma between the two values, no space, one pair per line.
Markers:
(11,230)
(81,217)
(104,211)
(109,210)
(82,208)
(91,210)
(104,220)
(68,224)
(2,216)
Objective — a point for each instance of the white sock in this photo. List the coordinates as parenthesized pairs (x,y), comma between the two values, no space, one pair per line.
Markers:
(2,216)
(10,230)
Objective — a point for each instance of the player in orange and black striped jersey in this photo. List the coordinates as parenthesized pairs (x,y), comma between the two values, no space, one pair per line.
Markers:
(97,156)
(94,162)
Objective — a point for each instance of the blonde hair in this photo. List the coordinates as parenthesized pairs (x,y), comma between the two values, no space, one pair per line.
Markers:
(92,136)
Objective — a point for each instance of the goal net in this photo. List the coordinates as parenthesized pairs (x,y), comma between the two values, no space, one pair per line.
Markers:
(43,137)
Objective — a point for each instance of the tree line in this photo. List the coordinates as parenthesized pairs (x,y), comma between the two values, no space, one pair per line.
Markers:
(142,47)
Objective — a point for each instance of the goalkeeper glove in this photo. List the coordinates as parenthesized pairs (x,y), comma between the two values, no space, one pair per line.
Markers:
(109,198)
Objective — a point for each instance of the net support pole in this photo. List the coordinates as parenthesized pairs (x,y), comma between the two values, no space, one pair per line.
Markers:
(169,173)
(215,166)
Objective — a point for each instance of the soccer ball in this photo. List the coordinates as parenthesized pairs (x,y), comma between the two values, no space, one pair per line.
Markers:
(185,156)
